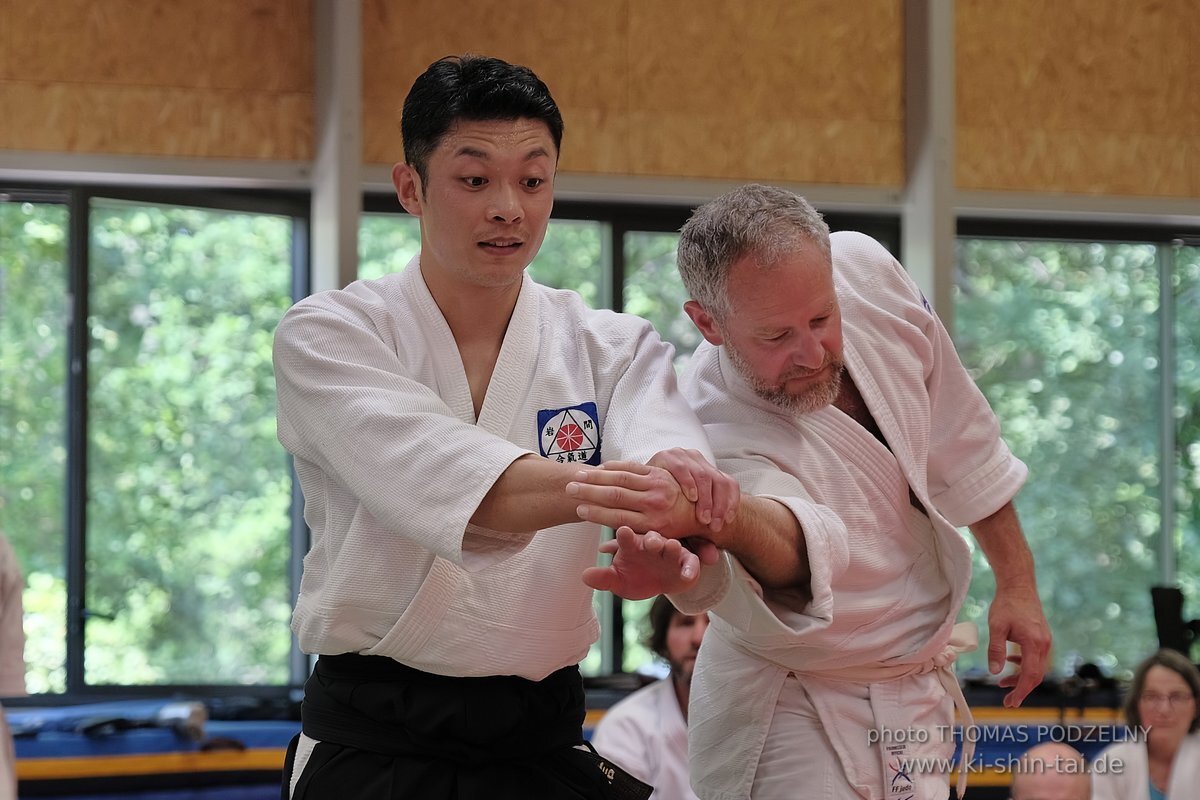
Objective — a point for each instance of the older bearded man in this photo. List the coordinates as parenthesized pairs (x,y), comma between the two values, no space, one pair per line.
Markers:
(828,384)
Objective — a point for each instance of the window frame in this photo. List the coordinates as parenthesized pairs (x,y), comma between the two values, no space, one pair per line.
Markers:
(294,205)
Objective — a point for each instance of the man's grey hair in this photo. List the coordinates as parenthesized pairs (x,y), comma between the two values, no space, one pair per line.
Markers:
(753,220)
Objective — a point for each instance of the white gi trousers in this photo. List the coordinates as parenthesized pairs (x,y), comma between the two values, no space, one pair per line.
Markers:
(798,751)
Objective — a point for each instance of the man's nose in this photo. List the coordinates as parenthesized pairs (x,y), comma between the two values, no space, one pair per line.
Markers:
(505,204)
(809,353)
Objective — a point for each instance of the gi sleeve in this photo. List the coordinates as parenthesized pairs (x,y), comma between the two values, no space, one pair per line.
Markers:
(754,611)
(648,414)
(970,470)
(646,411)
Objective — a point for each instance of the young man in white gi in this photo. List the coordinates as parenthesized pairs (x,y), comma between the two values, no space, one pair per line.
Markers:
(646,732)
(439,419)
(827,382)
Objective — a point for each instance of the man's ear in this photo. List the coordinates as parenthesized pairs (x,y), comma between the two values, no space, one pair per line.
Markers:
(704,322)
(408,187)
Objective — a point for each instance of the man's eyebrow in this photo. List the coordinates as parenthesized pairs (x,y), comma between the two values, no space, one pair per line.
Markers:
(471,152)
(474,152)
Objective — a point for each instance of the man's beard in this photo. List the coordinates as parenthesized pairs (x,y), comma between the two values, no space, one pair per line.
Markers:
(814,397)
(682,673)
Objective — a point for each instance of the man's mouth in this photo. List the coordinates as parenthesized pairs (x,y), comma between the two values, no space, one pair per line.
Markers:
(501,244)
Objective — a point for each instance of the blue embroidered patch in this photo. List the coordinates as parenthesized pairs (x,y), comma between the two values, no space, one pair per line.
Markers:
(570,434)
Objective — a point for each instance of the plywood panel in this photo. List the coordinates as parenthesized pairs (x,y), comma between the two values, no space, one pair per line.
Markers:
(1076,96)
(255,45)
(65,117)
(576,46)
(210,78)
(789,90)
(1080,162)
(6,64)
(805,90)
(1191,27)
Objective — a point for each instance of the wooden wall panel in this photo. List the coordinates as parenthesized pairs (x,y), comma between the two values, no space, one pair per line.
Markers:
(6,37)
(1091,96)
(576,46)
(790,90)
(132,120)
(209,78)
(783,90)
(1078,96)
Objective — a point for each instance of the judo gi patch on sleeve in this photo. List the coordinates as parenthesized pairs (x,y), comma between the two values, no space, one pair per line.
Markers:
(570,435)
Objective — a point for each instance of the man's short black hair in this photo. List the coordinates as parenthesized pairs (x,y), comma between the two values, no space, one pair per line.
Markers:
(475,88)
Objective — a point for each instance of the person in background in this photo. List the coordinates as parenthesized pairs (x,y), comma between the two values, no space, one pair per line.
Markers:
(1161,759)
(1051,771)
(646,732)
(12,658)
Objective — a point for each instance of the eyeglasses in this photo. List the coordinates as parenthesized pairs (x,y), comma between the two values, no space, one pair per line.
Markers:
(1173,700)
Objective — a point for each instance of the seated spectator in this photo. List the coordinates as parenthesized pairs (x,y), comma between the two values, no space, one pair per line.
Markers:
(1051,771)
(1161,759)
(646,733)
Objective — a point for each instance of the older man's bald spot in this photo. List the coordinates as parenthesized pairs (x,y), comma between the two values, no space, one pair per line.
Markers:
(1051,771)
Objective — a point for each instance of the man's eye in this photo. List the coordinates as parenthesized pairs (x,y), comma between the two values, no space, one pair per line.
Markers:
(533,183)
(474,182)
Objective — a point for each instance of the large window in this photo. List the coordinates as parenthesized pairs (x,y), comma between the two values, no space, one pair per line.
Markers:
(153,509)
(144,489)
(34,317)
(1185,420)
(1065,336)
(187,488)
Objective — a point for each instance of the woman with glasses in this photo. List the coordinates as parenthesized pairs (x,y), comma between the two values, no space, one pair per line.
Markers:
(1161,758)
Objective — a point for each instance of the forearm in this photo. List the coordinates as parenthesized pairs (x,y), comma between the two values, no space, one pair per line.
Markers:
(1015,614)
(769,542)
(529,495)
(1003,544)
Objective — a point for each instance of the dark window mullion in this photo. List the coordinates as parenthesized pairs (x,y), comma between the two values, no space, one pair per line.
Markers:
(300,536)
(78,248)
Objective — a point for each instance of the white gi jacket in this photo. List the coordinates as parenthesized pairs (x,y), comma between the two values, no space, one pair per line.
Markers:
(374,404)
(647,735)
(1122,771)
(887,580)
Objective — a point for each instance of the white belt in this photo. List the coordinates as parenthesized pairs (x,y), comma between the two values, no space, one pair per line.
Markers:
(964,638)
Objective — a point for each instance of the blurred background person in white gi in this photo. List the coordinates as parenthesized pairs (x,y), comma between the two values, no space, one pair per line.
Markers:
(646,733)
